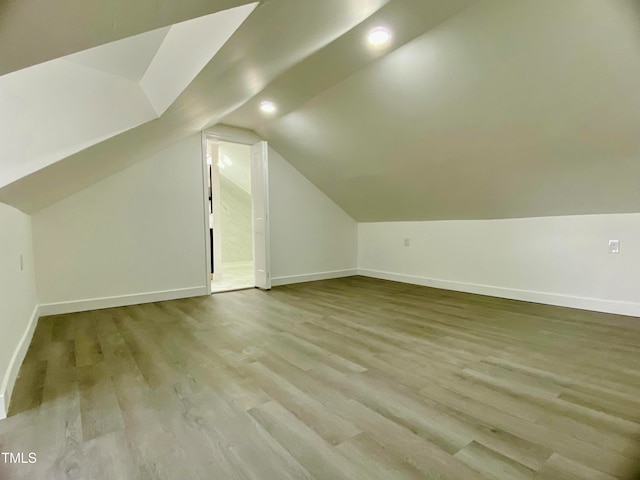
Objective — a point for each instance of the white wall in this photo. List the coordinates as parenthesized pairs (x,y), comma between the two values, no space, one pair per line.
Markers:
(139,235)
(18,304)
(311,237)
(133,237)
(235,223)
(555,260)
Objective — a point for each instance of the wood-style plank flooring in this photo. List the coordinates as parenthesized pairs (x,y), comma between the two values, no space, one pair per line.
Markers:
(343,379)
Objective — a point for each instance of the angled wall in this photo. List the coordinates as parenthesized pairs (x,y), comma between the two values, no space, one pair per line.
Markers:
(509,109)
(58,108)
(52,110)
(18,304)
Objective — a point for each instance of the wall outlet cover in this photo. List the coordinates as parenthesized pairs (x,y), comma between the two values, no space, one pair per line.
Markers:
(614,246)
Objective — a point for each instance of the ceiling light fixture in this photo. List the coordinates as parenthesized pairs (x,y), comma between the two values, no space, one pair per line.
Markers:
(267,107)
(378,36)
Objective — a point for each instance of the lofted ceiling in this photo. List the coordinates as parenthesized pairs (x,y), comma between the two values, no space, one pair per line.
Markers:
(54,109)
(35,31)
(509,109)
(275,37)
(128,58)
(476,109)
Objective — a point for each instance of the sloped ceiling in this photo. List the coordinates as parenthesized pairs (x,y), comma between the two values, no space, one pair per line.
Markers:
(34,31)
(275,37)
(477,109)
(509,109)
(57,108)
(128,58)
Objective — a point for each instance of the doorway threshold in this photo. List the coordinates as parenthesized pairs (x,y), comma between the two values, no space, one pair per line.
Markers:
(230,289)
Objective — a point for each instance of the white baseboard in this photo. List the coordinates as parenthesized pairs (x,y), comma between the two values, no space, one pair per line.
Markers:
(312,277)
(119,301)
(582,303)
(6,389)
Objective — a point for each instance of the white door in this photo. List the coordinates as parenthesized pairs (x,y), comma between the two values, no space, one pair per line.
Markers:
(260,213)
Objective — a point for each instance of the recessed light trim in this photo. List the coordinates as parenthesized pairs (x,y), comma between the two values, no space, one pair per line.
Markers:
(379,36)
(268,106)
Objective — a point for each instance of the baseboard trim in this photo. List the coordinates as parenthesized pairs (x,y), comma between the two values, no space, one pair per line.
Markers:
(582,303)
(6,389)
(120,301)
(312,277)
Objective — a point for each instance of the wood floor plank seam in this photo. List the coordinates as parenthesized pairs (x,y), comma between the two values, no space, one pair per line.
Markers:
(352,378)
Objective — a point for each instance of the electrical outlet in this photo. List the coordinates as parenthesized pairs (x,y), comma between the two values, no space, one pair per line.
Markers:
(614,246)
(407,242)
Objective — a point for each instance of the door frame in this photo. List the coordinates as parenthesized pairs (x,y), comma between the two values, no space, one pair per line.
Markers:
(231,135)
(260,204)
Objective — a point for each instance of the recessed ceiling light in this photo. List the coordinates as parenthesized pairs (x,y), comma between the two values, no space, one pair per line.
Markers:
(267,107)
(378,36)
(226,160)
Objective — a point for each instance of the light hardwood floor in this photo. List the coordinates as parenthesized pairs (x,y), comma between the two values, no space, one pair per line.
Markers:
(343,379)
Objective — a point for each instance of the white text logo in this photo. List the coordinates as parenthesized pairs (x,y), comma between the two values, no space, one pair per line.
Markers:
(8,457)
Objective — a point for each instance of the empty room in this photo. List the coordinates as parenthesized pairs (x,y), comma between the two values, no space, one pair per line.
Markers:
(337,239)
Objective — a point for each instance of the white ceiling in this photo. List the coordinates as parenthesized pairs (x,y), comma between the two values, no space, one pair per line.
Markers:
(57,108)
(478,109)
(129,58)
(35,31)
(509,109)
(186,49)
(276,37)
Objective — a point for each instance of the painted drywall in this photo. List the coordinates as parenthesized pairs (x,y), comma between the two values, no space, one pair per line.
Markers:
(509,109)
(33,131)
(187,48)
(66,27)
(135,236)
(236,159)
(139,235)
(311,236)
(555,260)
(261,50)
(102,91)
(237,236)
(18,303)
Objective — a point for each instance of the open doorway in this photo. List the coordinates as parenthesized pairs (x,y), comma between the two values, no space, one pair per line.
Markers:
(237,220)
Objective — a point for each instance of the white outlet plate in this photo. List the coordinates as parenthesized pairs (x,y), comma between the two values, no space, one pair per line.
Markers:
(407,242)
(614,246)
